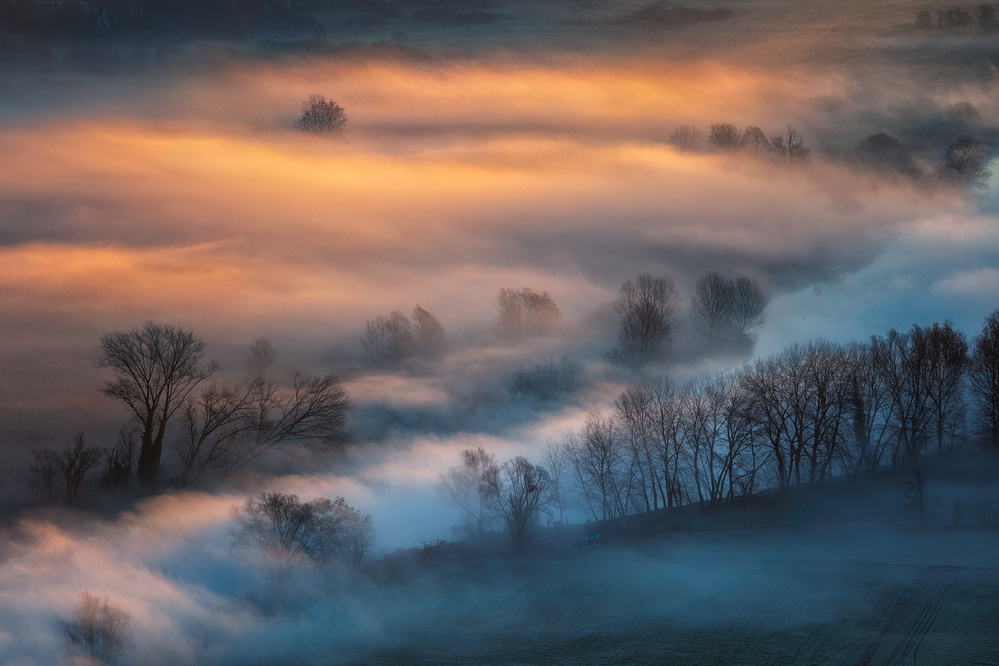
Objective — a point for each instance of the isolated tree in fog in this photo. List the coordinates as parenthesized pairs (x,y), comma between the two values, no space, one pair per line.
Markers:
(916,497)
(983,375)
(647,307)
(472,486)
(684,138)
(523,492)
(966,162)
(64,470)
(261,357)
(321,116)
(98,631)
(284,528)
(156,368)
(525,312)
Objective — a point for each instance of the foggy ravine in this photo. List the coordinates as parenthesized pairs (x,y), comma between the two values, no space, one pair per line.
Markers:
(523,147)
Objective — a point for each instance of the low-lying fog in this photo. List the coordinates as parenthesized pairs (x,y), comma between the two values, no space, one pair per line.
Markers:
(496,156)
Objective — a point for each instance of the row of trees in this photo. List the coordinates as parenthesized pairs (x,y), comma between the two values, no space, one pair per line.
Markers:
(389,341)
(722,309)
(787,146)
(982,16)
(524,313)
(160,374)
(809,413)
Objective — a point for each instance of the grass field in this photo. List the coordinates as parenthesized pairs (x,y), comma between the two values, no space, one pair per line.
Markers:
(820,595)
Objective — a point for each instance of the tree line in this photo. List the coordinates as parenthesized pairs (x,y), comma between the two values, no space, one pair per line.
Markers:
(982,16)
(786,146)
(809,413)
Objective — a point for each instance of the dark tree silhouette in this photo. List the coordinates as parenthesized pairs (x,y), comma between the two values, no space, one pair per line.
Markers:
(156,368)
(966,162)
(789,147)
(983,375)
(945,373)
(99,631)
(64,470)
(916,497)
(749,305)
(523,492)
(725,137)
(711,306)
(284,529)
(321,116)
(647,307)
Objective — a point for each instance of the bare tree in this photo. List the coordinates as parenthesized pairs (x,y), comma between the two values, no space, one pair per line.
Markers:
(120,457)
(916,497)
(596,466)
(388,341)
(226,428)
(711,306)
(749,305)
(64,470)
(99,631)
(523,492)
(313,409)
(684,138)
(789,147)
(210,427)
(275,524)
(261,358)
(525,312)
(429,333)
(983,375)
(553,459)
(966,162)
(284,529)
(647,307)
(472,486)
(156,367)
(902,360)
(321,116)
(947,364)
(754,140)
(724,136)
